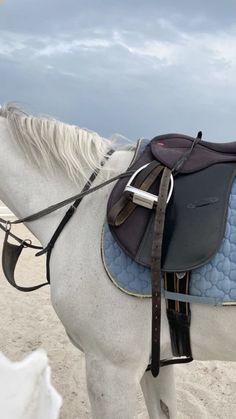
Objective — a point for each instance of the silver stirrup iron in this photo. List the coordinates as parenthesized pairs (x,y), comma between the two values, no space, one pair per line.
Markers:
(143,198)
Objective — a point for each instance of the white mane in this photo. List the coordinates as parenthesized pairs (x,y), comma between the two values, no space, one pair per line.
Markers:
(48,141)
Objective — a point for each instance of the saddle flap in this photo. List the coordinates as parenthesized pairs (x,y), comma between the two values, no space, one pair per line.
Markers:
(168,149)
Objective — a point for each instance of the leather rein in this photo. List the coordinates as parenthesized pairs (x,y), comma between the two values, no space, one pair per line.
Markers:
(11,252)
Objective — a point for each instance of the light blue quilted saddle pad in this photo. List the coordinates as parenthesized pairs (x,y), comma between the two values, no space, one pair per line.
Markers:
(216,279)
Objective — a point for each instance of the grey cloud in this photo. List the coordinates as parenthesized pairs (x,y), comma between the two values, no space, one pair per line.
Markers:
(85,15)
(118,100)
(139,68)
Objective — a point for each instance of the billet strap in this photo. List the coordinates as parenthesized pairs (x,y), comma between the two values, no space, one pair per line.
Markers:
(124,207)
(159,222)
(10,255)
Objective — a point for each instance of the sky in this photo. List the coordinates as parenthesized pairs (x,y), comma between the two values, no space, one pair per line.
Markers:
(138,68)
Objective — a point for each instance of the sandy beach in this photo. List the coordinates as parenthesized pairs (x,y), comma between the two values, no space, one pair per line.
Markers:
(205,390)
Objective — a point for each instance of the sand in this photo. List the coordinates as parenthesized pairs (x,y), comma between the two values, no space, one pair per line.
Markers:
(28,321)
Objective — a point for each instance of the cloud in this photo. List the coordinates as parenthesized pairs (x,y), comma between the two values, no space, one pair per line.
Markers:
(128,67)
(201,57)
(57,15)
(70,46)
(10,43)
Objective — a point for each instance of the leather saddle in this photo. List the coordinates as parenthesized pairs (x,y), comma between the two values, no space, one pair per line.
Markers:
(171,216)
(196,214)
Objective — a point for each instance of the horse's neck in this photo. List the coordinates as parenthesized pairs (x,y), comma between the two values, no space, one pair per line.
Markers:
(26,189)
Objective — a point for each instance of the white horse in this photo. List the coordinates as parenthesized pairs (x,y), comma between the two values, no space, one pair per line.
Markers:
(45,161)
(25,388)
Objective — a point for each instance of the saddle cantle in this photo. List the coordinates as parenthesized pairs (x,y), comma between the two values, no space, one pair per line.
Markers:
(178,236)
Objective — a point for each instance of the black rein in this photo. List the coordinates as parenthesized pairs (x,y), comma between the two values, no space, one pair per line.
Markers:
(12,252)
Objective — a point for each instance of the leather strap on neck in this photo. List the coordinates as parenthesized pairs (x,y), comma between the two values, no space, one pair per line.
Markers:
(10,255)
